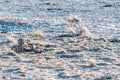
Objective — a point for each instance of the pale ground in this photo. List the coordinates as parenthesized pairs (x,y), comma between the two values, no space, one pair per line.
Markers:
(80,39)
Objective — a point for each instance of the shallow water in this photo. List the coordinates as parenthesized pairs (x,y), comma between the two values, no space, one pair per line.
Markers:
(65,56)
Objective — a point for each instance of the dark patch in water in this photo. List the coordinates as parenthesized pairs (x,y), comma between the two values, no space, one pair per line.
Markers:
(59,69)
(7,1)
(114,40)
(69,56)
(5,57)
(63,76)
(94,50)
(25,9)
(8,25)
(54,9)
(83,48)
(2,43)
(47,58)
(47,3)
(17,60)
(11,54)
(107,59)
(117,64)
(104,78)
(45,24)
(11,70)
(60,52)
(89,66)
(69,35)
(30,61)
(74,50)
(102,64)
(45,50)
(99,39)
(85,11)
(49,46)
(108,5)
(45,67)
